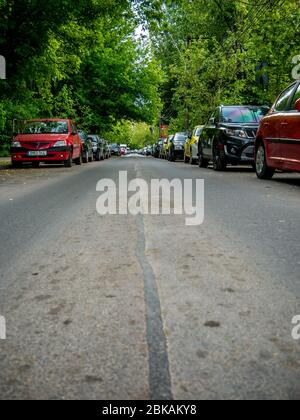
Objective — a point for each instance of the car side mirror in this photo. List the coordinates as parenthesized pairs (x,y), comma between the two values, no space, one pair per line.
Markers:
(212,121)
(297,105)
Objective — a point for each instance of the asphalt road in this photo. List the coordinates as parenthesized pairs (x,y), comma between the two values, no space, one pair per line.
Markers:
(138,307)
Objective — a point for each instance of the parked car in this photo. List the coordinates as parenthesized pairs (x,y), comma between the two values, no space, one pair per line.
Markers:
(277,145)
(46,140)
(229,136)
(157,148)
(166,147)
(86,147)
(123,149)
(191,146)
(176,147)
(115,150)
(107,154)
(98,147)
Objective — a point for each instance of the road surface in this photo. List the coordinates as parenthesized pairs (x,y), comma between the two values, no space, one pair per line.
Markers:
(124,307)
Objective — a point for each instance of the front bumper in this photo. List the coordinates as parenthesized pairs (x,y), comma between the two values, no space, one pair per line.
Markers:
(55,154)
(236,153)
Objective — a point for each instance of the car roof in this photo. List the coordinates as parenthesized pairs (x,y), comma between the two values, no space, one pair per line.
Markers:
(49,119)
(242,106)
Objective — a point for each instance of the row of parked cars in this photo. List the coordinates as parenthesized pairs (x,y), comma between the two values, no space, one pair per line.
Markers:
(56,141)
(268,139)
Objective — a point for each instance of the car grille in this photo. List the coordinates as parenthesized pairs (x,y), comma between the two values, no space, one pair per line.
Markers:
(33,145)
(251,133)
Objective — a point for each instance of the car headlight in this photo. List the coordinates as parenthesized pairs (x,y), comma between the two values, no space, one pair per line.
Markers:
(16,144)
(60,143)
(236,133)
(241,133)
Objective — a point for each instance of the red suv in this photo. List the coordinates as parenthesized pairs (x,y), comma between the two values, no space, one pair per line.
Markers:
(46,140)
(278,139)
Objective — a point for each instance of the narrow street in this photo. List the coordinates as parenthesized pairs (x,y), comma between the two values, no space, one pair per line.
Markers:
(124,307)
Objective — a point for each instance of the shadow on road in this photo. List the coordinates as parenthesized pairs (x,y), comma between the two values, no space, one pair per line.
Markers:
(291,180)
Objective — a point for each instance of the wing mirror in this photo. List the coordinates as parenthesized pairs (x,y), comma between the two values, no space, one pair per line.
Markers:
(297,105)
(212,121)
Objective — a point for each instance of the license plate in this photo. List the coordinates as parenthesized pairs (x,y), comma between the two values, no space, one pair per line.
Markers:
(178,147)
(37,154)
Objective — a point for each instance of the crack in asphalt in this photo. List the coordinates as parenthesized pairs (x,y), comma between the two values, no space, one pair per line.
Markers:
(160,387)
(159,373)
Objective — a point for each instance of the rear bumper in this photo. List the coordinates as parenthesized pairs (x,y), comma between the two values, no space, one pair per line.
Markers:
(178,154)
(56,154)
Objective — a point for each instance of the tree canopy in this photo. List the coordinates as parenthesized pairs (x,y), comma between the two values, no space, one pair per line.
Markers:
(119,63)
(224,52)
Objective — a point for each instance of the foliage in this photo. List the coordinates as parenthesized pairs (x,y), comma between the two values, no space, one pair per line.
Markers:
(135,134)
(76,59)
(230,52)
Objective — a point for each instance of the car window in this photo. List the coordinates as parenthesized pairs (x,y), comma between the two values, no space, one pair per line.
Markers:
(198,132)
(284,99)
(45,127)
(83,136)
(296,97)
(242,115)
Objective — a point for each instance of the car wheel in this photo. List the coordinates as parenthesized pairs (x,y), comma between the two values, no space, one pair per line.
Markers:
(97,156)
(69,162)
(218,162)
(262,169)
(17,165)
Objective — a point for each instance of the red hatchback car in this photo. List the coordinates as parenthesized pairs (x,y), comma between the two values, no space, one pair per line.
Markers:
(47,140)
(278,138)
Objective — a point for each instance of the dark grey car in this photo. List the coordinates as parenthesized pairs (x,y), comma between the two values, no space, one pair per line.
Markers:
(98,147)
(229,136)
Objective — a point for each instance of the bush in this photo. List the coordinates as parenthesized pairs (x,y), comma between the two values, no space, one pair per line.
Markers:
(4,145)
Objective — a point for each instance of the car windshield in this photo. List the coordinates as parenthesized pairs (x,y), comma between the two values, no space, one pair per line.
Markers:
(83,136)
(180,137)
(198,132)
(243,115)
(45,127)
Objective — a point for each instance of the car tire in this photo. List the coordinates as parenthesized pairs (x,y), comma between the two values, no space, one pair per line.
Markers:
(69,162)
(219,164)
(98,156)
(261,167)
(17,165)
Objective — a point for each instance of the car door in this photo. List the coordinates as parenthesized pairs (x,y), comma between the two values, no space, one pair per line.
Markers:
(195,142)
(290,133)
(75,140)
(274,128)
(209,134)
